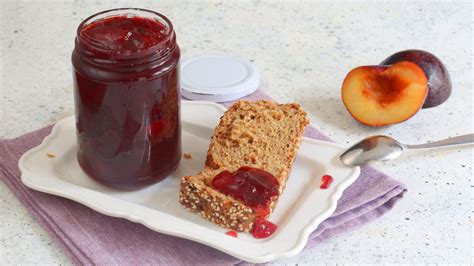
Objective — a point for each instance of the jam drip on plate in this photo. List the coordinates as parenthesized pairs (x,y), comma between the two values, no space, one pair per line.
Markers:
(326,180)
(231,233)
(263,228)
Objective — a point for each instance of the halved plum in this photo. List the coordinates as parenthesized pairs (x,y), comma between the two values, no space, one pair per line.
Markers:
(385,95)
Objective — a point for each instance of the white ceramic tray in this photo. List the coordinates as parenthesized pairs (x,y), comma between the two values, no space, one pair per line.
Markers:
(301,208)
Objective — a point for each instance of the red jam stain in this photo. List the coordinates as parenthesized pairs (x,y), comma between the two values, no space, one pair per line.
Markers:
(263,228)
(126,85)
(326,180)
(231,233)
(256,188)
(124,34)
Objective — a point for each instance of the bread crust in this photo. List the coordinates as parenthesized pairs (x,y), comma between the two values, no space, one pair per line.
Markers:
(196,193)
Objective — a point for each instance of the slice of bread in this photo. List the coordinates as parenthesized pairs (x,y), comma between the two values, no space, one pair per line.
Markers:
(259,134)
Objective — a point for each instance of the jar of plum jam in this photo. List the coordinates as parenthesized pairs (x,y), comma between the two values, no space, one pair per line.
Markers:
(126,92)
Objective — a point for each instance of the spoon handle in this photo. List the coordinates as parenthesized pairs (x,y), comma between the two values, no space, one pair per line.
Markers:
(459,140)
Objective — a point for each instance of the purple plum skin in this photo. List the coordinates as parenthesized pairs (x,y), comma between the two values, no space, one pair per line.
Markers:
(439,82)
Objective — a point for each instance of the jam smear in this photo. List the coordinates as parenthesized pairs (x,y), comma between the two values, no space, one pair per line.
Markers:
(256,188)
(263,228)
(326,180)
(231,233)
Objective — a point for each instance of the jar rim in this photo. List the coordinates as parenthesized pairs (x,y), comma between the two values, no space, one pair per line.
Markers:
(169,35)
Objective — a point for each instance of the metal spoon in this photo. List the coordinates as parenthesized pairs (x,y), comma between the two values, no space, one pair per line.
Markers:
(384,148)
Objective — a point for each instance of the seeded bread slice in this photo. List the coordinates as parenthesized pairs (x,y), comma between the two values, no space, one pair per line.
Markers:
(259,134)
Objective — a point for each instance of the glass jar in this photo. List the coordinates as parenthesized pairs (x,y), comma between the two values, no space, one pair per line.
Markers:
(126,92)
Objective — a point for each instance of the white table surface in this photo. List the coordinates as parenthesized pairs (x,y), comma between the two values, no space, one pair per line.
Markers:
(304,50)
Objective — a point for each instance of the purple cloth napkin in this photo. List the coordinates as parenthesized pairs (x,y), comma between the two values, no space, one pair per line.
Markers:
(89,237)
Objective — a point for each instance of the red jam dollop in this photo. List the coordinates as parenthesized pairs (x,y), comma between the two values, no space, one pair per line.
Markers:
(326,180)
(263,228)
(126,91)
(254,187)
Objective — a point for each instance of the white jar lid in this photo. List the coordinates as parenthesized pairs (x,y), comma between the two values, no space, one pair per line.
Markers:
(218,78)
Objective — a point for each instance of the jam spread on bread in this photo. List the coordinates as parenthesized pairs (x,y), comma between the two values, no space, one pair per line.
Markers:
(254,187)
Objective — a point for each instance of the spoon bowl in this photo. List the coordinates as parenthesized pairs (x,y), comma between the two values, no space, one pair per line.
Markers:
(383,148)
(372,149)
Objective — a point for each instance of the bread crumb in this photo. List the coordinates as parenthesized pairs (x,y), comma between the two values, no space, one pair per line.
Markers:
(50,155)
(187,156)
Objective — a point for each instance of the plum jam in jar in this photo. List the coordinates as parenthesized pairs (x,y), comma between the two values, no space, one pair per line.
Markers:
(126,93)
